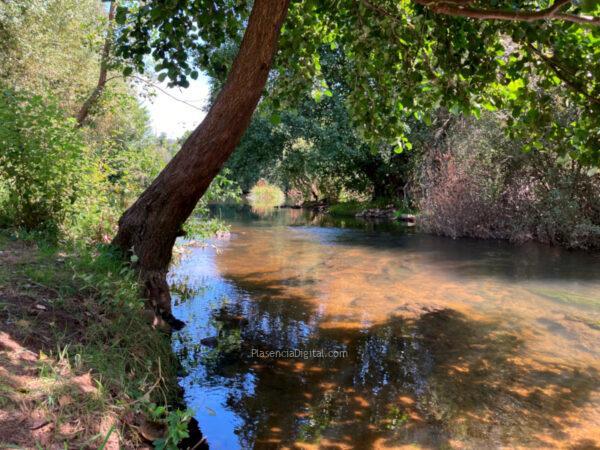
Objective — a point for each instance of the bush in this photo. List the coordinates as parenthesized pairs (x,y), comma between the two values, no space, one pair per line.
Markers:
(264,195)
(476,183)
(43,162)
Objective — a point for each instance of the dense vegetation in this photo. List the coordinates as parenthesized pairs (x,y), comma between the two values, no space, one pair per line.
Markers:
(488,128)
(62,188)
(56,175)
(464,176)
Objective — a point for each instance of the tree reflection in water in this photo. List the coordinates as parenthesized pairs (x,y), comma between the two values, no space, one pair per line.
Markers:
(451,344)
(436,380)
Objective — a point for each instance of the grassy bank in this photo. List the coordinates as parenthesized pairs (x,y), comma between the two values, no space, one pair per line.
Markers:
(353,207)
(80,366)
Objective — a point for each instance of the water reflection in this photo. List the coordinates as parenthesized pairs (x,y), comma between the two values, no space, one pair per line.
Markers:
(451,344)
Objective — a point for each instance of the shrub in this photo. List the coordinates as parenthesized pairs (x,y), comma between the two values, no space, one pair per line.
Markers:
(476,183)
(43,162)
(264,195)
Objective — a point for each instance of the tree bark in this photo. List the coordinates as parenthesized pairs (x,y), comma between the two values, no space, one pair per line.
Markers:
(85,109)
(150,226)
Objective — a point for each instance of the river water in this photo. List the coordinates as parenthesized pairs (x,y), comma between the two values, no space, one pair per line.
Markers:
(397,339)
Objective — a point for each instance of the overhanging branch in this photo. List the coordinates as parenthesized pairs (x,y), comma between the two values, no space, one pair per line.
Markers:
(461,8)
(559,71)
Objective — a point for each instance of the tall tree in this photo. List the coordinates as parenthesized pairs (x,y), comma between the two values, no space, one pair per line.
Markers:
(149,228)
(405,58)
(89,102)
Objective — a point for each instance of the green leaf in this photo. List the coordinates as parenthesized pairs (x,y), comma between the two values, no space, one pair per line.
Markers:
(275,119)
(121,15)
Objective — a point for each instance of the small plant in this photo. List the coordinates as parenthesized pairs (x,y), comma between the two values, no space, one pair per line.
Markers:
(176,425)
(221,190)
(204,228)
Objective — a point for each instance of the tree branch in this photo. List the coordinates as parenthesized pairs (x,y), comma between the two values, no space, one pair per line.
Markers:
(164,91)
(458,9)
(85,109)
(559,72)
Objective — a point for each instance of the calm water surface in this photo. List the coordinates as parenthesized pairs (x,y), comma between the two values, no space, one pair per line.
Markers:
(450,343)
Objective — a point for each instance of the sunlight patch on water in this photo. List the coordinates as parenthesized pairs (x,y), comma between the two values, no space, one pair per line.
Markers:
(450,343)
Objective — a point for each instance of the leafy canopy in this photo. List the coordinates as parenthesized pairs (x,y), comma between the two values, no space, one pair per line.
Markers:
(405,58)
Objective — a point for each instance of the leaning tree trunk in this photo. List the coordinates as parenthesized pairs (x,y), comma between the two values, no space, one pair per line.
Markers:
(85,109)
(150,226)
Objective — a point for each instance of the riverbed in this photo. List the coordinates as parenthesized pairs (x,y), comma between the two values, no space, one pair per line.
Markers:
(355,335)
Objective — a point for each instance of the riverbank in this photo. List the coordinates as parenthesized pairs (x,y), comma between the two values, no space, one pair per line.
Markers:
(79,364)
(375,209)
(460,222)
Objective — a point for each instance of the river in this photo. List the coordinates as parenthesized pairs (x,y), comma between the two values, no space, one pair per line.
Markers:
(386,338)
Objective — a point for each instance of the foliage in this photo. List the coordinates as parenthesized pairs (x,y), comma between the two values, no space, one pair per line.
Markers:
(176,422)
(129,155)
(83,178)
(185,44)
(476,183)
(205,228)
(352,207)
(221,190)
(346,209)
(43,162)
(56,177)
(315,153)
(51,46)
(264,194)
(257,154)
(404,60)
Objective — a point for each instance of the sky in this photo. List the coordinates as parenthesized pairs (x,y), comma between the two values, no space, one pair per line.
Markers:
(172,117)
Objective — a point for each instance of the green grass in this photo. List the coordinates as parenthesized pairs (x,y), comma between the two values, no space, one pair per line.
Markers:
(104,330)
(346,209)
(203,228)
